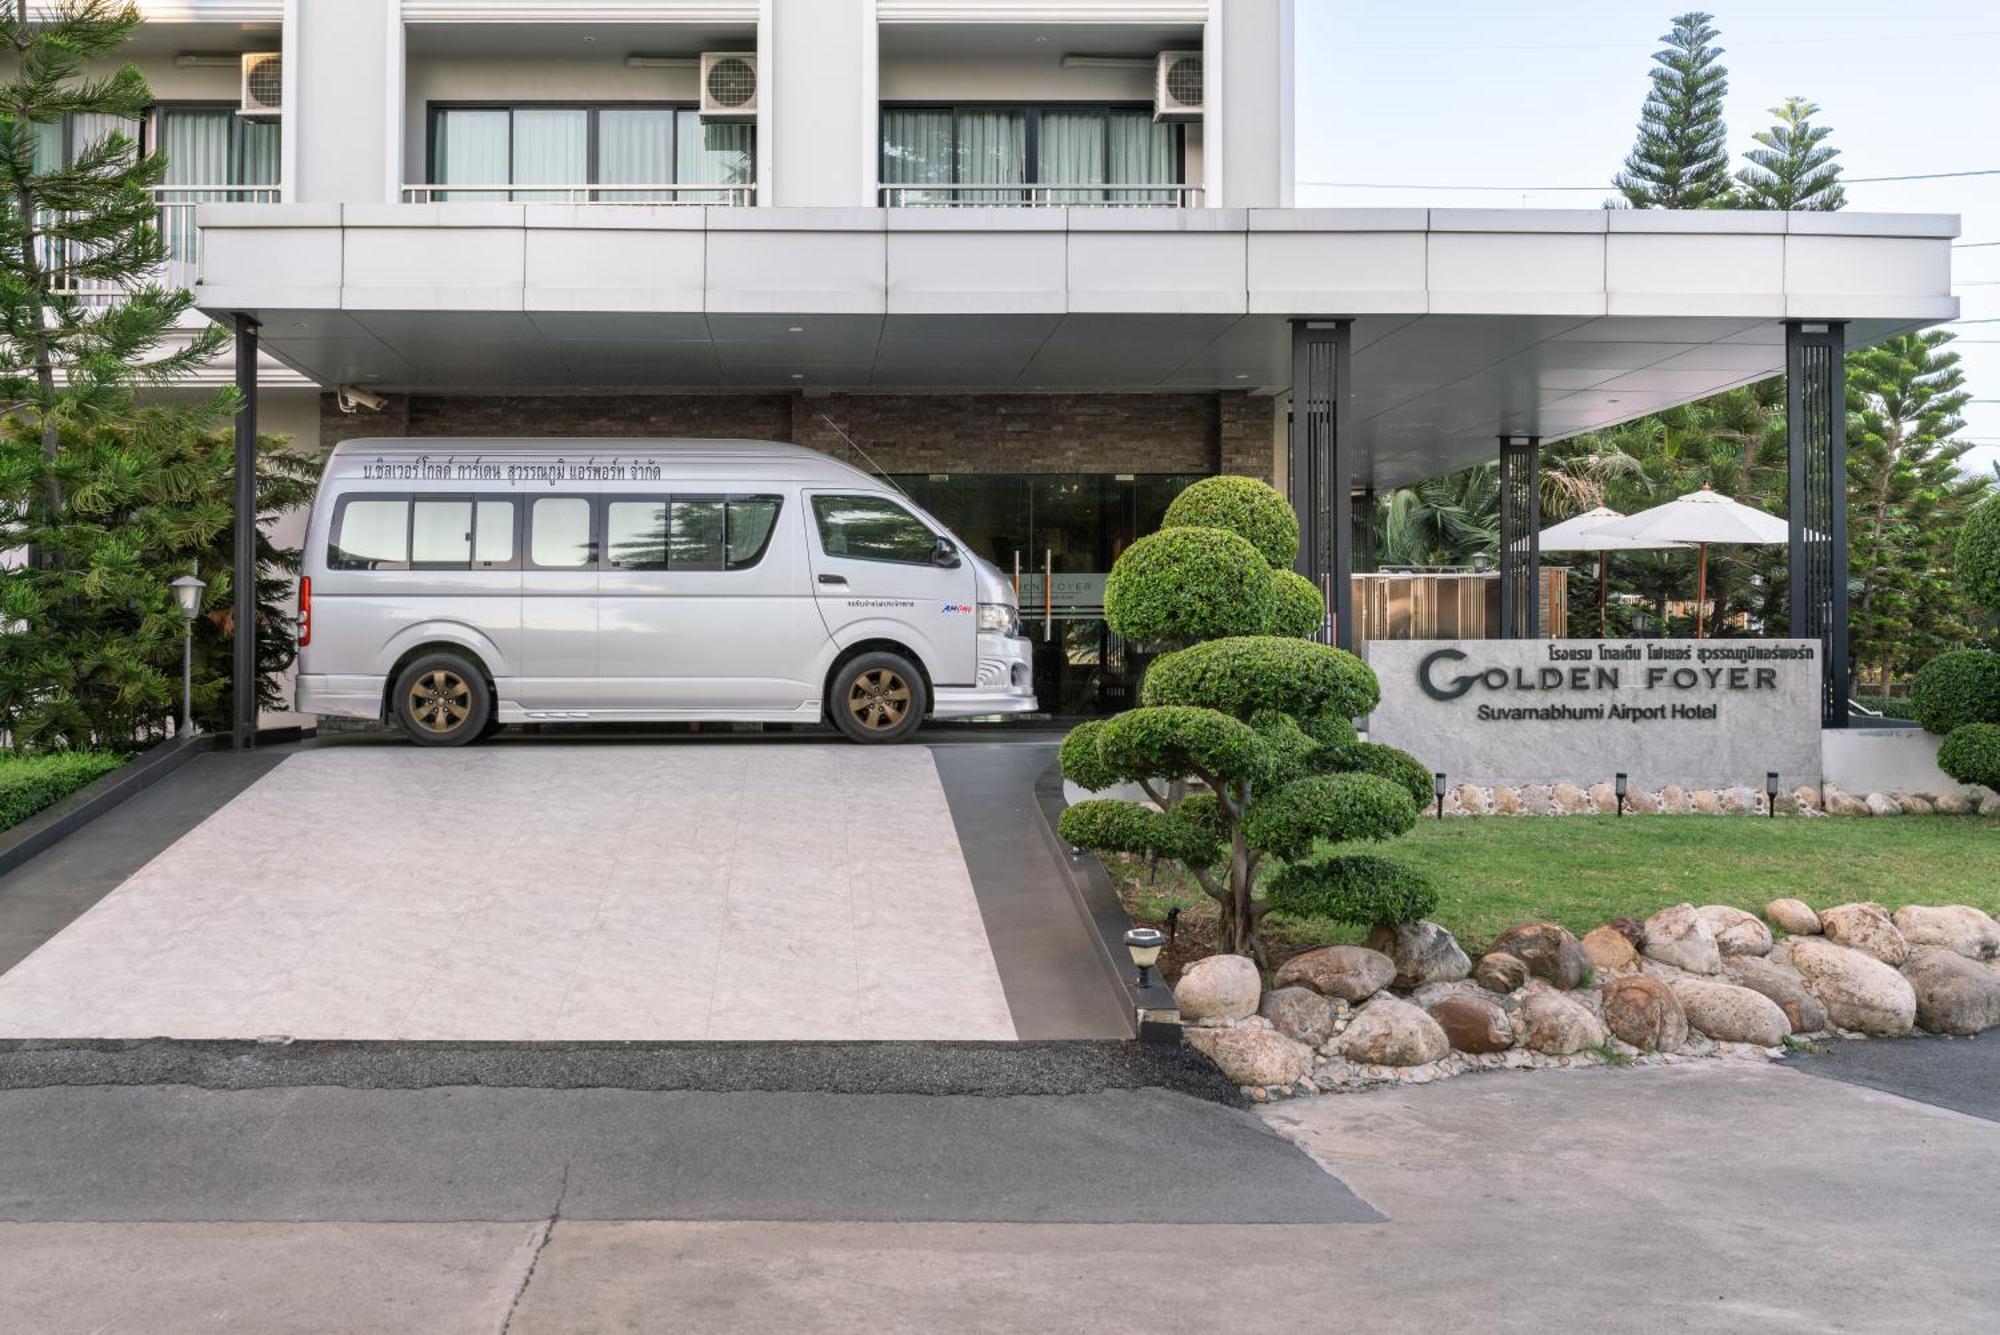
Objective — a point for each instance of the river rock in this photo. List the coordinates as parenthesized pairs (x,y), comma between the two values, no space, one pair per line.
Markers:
(1743,800)
(1607,948)
(1476,800)
(1300,1013)
(1391,1032)
(1568,799)
(1252,1054)
(1682,937)
(1219,989)
(1804,1011)
(1953,804)
(1736,932)
(1352,973)
(1794,916)
(1637,800)
(1913,804)
(1603,798)
(1549,951)
(1474,1023)
(1955,995)
(1550,1022)
(1860,992)
(1422,952)
(1706,802)
(1866,928)
(1955,927)
(1841,804)
(1500,972)
(1506,801)
(1731,1014)
(1645,1012)
(1806,796)
(1881,804)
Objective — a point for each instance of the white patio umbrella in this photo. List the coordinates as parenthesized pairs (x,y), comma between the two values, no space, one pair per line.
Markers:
(1702,517)
(1584,533)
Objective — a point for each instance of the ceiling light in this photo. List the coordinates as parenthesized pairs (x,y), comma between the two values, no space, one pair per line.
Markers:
(798,375)
(796,329)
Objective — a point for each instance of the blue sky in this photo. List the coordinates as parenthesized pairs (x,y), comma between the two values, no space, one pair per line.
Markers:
(1543,93)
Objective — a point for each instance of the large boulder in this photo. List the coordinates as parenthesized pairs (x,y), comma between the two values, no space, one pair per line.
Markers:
(1253,1055)
(1866,928)
(1352,973)
(1955,927)
(1680,936)
(1550,1022)
(1955,995)
(1219,989)
(1644,1012)
(1860,992)
(1391,1032)
(1474,1023)
(1501,973)
(1805,1012)
(1607,948)
(1300,1013)
(1549,951)
(1423,952)
(1793,916)
(1731,1014)
(1736,932)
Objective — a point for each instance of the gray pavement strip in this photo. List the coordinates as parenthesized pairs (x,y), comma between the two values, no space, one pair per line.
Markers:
(175,1154)
(1962,1074)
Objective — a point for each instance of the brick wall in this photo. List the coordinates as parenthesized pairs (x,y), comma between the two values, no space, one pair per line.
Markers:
(901,433)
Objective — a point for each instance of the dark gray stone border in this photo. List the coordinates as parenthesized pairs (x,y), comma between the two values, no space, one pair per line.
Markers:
(51,824)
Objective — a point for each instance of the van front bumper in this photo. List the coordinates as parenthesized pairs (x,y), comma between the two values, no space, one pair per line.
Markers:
(338,696)
(1005,686)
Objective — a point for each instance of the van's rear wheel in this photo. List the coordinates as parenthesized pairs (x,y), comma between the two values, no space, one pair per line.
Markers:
(442,700)
(878,697)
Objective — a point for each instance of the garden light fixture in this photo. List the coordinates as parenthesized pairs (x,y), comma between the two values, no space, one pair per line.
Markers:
(1771,794)
(187,592)
(1145,943)
(1618,785)
(1437,787)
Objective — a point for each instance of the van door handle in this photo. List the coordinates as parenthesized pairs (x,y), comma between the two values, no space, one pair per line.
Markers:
(833,579)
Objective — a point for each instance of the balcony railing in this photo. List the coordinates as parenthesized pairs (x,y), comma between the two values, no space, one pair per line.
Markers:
(729,195)
(1042,195)
(175,221)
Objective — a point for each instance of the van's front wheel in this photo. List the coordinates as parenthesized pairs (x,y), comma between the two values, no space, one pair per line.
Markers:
(442,700)
(878,697)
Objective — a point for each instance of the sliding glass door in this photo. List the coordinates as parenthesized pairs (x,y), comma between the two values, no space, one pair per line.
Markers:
(615,154)
(1057,154)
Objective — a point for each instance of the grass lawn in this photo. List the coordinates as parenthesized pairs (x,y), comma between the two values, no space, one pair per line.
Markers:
(1581,871)
(29,782)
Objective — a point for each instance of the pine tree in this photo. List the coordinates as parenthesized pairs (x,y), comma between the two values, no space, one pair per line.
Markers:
(1793,169)
(1681,159)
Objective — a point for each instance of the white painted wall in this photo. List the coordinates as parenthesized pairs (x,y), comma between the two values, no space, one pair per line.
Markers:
(1860,760)
(813,79)
(1249,44)
(344,58)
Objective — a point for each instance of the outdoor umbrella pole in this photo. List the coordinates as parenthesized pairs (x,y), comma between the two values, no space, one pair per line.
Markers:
(1700,591)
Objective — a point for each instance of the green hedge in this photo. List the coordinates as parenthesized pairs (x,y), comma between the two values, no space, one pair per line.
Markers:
(1399,767)
(1246,674)
(1978,554)
(1174,741)
(33,781)
(1888,706)
(1188,584)
(1956,688)
(1243,506)
(1971,754)
(1297,608)
(1335,808)
(1106,825)
(1355,888)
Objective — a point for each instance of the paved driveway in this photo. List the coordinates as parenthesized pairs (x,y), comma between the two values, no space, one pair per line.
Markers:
(715,891)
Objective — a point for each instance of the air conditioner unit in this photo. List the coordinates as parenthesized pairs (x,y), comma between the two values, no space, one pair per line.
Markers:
(728,86)
(1177,85)
(263,85)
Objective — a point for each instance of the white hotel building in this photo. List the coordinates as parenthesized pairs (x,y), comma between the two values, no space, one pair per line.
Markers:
(1040,260)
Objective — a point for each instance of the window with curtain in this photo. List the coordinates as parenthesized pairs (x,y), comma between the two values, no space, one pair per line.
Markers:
(1060,153)
(612,146)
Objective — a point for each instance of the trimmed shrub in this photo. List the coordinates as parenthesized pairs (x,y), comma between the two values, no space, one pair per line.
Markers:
(28,783)
(1188,584)
(1978,554)
(1297,609)
(1398,767)
(1333,730)
(1245,674)
(1111,826)
(1291,752)
(1971,754)
(1243,506)
(1081,757)
(1175,741)
(1888,706)
(1335,807)
(1355,888)
(1956,688)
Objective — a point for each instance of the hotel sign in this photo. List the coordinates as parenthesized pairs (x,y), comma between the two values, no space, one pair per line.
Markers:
(1700,713)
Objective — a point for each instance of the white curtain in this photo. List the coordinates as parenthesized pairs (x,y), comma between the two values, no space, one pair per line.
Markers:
(88,128)
(48,141)
(916,150)
(196,142)
(258,159)
(1143,153)
(551,147)
(1069,150)
(635,146)
(470,149)
(992,150)
(720,152)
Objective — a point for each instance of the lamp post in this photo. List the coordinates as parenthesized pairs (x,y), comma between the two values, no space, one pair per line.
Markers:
(1771,794)
(1144,944)
(1618,785)
(187,592)
(1437,787)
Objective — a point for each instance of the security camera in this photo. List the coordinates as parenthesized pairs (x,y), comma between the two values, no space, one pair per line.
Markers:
(353,399)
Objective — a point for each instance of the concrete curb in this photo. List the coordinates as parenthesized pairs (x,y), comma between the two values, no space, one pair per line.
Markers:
(51,824)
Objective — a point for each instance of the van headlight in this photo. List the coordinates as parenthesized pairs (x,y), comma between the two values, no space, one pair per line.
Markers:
(1000,618)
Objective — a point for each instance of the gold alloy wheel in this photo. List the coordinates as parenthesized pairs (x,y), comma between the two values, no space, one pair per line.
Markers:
(878,699)
(440,701)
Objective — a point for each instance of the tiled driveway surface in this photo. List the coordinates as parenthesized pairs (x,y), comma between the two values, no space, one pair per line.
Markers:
(602,892)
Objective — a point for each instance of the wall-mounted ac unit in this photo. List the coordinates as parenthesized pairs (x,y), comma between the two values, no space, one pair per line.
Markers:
(263,85)
(728,86)
(1177,86)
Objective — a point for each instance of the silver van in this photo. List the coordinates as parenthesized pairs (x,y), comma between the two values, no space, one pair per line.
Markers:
(456,585)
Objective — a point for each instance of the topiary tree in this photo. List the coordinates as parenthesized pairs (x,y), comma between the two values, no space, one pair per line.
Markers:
(1978,555)
(1244,743)
(1972,754)
(1956,688)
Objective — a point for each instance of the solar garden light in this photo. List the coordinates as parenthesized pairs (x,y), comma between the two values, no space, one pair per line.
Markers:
(187,592)
(1771,794)
(1437,786)
(1618,785)
(1145,943)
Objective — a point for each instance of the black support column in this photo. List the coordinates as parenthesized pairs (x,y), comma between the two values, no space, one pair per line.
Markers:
(243,678)
(1520,537)
(1816,448)
(1320,468)
(1364,529)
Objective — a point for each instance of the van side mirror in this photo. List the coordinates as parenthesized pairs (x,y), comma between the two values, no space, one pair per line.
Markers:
(944,553)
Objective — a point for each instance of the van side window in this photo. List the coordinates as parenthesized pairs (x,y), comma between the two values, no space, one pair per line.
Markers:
(560,532)
(635,535)
(441,532)
(751,521)
(370,534)
(493,534)
(694,539)
(872,528)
